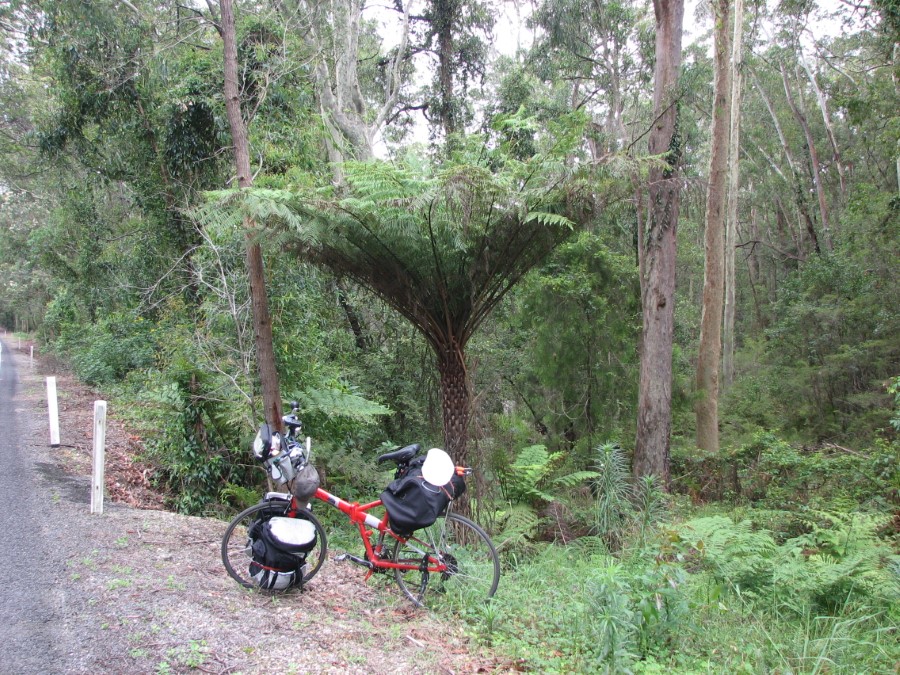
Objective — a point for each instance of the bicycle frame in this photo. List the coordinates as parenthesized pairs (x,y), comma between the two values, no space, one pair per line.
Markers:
(359,515)
(367,524)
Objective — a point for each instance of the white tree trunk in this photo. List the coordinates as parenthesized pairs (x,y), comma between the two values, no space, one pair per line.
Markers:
(709,350)
(351,123)
(733,186)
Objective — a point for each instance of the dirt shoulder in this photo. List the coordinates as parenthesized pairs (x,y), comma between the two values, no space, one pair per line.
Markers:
(144,589)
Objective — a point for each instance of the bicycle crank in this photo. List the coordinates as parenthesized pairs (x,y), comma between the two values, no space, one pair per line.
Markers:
(356,560)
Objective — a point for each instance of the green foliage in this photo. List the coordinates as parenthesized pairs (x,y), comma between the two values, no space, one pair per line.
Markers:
(613,488)
(894,390)
(840,557)
(768,471)
(841,554)
(105,351)
(180,427)
(562,343)
(339,402)
(525,478)
(833,343)
(535,479)
(737,555)
(565,610)
(239,497)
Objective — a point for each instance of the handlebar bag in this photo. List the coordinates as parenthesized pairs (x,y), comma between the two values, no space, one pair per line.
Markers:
(413,503)
(278,549)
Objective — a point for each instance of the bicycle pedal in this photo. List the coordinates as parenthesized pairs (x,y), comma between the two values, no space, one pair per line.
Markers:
(341,557)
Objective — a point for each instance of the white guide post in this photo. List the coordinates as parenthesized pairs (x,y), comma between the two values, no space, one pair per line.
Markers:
(53,410)
(32,356)
(99,456)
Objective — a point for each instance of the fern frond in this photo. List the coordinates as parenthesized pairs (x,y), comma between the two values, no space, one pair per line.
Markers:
(545,218)
(575,478)
(333,402)
(590,546)
(519,524)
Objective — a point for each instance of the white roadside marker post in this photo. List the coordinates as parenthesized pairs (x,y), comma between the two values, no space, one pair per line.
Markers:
(53,410)
(99,456)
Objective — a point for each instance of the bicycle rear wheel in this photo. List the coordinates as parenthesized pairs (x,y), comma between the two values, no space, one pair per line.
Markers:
(236,554)
(473,569)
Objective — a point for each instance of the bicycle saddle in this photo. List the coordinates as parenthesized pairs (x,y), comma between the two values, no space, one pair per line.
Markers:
(400,456)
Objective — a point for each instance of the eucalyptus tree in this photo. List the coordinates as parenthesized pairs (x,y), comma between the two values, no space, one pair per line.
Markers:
(734,148)
(601,53)
(359,84)
(657,252)
(708,352)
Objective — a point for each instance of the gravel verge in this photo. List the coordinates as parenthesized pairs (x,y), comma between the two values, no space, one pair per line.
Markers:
(143,590)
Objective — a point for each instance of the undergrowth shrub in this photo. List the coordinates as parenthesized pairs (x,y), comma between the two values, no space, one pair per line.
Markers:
(104,352)
(567,610)
(177,420)
(768,471)
(839,557)
(535,479)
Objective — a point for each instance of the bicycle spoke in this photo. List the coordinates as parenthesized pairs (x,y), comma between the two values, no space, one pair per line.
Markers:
(236,554)
(471,570)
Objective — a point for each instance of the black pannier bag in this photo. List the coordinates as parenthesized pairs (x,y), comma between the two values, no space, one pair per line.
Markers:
(413,503)
(279,547)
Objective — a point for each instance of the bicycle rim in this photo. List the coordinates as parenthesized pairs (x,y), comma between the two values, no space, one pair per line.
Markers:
(236,543)
(473,569)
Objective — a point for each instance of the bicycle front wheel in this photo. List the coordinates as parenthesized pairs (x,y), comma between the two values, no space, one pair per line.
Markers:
(236,553)
(472,568)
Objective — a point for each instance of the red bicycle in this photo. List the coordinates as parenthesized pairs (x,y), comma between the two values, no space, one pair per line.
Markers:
(453,558)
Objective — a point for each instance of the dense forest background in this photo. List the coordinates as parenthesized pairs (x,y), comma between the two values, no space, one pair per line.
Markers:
(401,134)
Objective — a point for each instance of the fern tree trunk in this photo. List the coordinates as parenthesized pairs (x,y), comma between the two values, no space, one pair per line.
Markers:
(455,402)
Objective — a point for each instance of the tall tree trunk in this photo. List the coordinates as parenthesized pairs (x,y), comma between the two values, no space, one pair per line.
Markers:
(733,186)
(654,423)
(446,16)
(262,323)
(814,166)
(826,119)
(753,271)
(707,382)
(796,183)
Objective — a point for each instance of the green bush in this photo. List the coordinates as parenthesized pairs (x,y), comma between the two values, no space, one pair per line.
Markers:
(769,472)
(106,351)
(194,461)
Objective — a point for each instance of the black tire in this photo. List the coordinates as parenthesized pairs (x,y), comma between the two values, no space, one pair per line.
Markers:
(474,567)
(236,552)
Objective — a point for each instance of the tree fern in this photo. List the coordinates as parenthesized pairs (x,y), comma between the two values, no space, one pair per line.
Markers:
(336,402)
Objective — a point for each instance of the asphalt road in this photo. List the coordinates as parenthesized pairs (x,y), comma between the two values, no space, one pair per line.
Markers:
(32,573)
